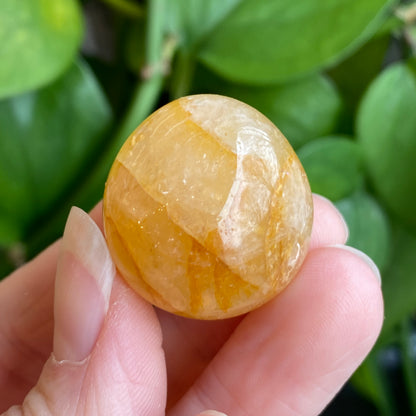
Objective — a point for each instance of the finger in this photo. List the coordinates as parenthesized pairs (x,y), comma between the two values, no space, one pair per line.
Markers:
(26,299)
(329,226)
(26,306)
(190,345)
(292,355)
(100,364)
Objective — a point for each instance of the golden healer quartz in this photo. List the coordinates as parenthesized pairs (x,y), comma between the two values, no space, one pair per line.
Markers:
(207,209)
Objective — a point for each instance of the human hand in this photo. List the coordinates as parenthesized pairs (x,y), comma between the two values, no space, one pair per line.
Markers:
(114,354)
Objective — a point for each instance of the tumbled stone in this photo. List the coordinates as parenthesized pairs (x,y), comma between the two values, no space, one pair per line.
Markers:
(207,209)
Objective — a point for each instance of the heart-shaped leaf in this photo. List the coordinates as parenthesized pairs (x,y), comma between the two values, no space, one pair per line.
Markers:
(38,40)
(387,133)
(264,41)
(47,139)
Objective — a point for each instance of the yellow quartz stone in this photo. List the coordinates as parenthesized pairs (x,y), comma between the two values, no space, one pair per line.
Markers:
(207,209)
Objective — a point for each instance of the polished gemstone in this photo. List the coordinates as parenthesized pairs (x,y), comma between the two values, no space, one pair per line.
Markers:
(207,209)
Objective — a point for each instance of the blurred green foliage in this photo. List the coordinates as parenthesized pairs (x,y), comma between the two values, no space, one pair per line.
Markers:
(338,77)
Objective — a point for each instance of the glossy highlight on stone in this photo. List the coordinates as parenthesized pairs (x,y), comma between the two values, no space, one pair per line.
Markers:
(207,209)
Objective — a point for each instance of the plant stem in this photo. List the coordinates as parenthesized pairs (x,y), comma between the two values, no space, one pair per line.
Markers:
(154,32)
(409,367)
(142,103)
(183,74)
(148,91)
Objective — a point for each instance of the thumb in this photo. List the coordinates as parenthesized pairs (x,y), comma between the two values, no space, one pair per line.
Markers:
(94,369)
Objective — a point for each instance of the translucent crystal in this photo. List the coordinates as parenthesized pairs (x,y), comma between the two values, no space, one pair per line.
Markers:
(207,209)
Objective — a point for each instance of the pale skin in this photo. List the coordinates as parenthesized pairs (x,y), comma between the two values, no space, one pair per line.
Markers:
(103,350)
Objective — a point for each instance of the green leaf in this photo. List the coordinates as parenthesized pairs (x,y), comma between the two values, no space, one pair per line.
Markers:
(47,140)
(303,110)
(399,280)
(368,226)
(333,166)
(38,40)
(387,133)
(263,41)
(193,20)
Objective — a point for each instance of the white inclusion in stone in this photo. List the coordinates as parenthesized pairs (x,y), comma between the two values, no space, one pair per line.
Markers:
(294,256)
(238,219)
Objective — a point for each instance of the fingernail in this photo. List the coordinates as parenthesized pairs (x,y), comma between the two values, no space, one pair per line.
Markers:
(211,413)
(341,217)
(84,278)
(368,260)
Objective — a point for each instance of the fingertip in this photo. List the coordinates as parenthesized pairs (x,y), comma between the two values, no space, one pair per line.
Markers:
(363,257)
(352,280)
(365,279)
(329,226)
